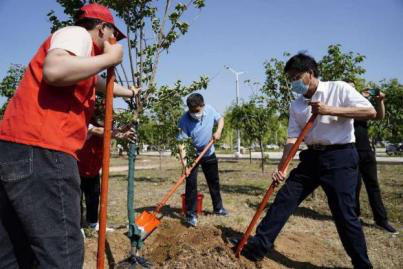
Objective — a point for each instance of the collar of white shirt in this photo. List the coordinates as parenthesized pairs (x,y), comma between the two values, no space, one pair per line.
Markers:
(319,93)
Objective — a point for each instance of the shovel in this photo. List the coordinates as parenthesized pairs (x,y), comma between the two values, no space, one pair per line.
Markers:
(266,197)
(105,164)
(147,221)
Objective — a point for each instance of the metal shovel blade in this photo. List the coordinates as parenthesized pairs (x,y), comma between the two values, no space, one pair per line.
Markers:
(147,221)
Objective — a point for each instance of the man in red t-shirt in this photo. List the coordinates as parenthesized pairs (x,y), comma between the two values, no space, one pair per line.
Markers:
(44,125)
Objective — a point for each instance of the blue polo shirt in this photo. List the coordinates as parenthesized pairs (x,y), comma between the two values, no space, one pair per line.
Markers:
(201,131)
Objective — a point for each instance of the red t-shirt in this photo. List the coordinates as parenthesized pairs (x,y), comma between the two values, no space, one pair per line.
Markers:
(47,116)
(90,157)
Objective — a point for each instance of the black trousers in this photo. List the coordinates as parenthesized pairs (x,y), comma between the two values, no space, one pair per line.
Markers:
(90,190)
(336,172)
(368,174)
(209,165)
(39,208)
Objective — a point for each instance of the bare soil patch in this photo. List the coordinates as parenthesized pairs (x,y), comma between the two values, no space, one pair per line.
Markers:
(174,245)
(308,240)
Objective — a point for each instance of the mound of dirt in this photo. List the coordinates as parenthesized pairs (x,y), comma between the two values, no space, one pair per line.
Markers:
(174,245)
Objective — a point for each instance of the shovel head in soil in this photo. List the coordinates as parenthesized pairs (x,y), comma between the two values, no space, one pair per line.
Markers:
(147,221)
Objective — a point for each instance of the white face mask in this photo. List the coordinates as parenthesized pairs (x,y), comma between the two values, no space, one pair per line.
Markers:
(196,116)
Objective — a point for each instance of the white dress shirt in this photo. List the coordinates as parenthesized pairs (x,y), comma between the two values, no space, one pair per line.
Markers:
(326,130)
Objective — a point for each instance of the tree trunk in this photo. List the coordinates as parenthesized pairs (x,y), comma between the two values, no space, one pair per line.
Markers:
(262,154)
(250,154)
(160,151)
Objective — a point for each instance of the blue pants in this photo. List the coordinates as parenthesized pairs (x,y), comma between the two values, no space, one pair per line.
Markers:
(39,208)
(336,172)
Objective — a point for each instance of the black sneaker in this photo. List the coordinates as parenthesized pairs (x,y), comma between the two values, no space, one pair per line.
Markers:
(387,227)
(221,212)
(251,252)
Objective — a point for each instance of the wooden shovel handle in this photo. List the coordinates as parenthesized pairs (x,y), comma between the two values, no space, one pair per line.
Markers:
(110,80)
(265,200)
(182,178)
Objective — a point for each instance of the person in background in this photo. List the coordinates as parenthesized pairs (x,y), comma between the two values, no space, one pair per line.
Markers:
(198,123)
(367,163)
(90,162)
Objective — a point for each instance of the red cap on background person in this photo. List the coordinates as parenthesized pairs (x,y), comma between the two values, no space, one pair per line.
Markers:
(100,12)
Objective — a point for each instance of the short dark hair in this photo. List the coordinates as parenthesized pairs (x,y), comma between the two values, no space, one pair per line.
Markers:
(194,100)
(302,63)
(88,23)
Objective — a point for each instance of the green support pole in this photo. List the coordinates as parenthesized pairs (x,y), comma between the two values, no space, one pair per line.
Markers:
(135,234)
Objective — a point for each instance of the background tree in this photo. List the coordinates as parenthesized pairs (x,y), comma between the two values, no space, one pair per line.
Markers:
(391,127)
(147,131)
(337,65)
(277,134)
(9,84)
(276,87)
(253,119)
(231,125)
(228,136)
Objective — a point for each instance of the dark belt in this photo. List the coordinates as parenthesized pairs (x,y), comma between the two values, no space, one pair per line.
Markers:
(319,147)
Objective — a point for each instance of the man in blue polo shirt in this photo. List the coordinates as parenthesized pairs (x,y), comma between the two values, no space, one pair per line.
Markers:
(197,123)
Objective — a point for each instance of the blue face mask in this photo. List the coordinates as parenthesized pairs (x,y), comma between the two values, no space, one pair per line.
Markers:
(299,87)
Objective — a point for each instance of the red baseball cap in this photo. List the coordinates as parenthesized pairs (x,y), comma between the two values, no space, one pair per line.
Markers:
(100,12)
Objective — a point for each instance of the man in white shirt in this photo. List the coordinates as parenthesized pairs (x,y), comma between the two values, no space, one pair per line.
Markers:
(330,161)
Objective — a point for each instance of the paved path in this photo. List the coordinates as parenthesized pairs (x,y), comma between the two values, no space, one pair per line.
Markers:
(276,156)
(273,156)
(124,168)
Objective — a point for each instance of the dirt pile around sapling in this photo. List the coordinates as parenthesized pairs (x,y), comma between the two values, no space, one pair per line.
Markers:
(174,245)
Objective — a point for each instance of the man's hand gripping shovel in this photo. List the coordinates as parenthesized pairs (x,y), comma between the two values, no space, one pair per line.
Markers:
(269,192)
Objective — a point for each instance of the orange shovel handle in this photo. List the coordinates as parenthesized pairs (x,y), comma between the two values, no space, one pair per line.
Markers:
(110,80)
(294,148)
(182,178)
(283,169)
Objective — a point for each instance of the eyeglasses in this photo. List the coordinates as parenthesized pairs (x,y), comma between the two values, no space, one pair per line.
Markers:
(112,27)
